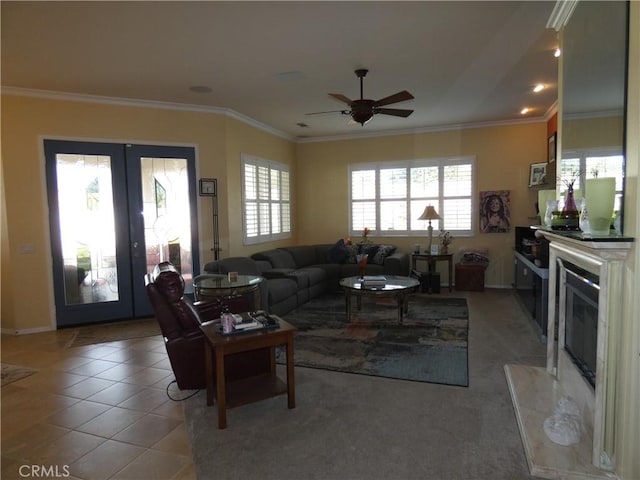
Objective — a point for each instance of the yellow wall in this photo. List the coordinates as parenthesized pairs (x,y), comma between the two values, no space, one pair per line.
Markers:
(503,157)
(27,291)
(242,138)
(592,132)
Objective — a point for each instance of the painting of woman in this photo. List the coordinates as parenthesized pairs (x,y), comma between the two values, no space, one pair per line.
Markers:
(495,215)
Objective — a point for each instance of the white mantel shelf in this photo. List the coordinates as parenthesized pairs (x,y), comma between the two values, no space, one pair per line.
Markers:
(536,391)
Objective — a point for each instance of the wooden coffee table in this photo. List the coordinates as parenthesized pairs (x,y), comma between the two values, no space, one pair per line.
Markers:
(396,287)
(252,389)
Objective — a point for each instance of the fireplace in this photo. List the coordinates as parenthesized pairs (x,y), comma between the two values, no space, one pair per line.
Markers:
(582,289)
(581,362)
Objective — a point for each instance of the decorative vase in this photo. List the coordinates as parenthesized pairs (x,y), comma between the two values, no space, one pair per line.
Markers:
(569,203)
(544,196)
(600,195)
(585,225)
(552,206)
(362,263)
(444,249)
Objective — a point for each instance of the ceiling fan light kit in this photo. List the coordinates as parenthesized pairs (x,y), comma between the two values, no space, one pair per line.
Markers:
(363,110)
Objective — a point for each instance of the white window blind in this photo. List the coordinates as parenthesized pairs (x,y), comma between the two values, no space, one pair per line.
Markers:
(266,204)
(389,198)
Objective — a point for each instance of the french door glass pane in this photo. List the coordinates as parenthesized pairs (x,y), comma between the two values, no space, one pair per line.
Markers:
(87,228)
(167,214)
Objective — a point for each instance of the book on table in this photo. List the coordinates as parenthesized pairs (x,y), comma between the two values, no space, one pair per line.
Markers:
(373,281)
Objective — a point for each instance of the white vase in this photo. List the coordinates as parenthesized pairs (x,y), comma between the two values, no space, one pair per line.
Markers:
(552,206)
(600,195)
(543,197)
(585,225)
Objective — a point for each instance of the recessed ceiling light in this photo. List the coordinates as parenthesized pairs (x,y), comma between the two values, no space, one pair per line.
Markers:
(538,88)
(524,111)
(200,89)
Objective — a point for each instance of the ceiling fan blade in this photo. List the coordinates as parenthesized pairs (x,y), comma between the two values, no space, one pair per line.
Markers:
(396,112)
(342,98)
(344,112)
(395,98)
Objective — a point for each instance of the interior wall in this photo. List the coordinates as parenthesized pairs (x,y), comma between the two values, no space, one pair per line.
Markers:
(244,139)
(28,120)
(503,158)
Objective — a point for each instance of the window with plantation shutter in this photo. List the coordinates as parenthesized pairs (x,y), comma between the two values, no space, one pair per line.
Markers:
(388,198)
(266,204)
(580,165)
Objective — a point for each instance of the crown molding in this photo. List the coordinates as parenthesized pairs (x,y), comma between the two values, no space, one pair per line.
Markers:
(436,129)
(77,97)
(561,13)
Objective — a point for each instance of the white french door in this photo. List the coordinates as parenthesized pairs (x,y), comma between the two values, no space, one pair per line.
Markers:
(115,211)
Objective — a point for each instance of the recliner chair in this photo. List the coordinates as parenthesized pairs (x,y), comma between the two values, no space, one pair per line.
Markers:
(180,320)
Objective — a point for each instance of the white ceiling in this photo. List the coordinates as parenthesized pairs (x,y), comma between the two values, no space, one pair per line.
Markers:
(273,62)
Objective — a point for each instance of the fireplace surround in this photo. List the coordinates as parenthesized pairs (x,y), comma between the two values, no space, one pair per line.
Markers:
(536,391)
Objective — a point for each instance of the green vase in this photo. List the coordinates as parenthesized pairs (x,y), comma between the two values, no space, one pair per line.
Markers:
(600,195)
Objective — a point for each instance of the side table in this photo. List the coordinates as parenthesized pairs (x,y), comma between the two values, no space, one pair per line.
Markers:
(247,390)
(431,262)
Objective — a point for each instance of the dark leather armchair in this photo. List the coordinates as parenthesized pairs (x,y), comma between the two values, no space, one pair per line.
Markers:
(179,321)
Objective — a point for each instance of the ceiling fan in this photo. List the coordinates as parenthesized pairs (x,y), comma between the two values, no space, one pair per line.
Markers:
(363,110)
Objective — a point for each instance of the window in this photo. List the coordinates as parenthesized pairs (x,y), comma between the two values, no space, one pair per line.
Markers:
(266,202)
(389,198)
(585,164)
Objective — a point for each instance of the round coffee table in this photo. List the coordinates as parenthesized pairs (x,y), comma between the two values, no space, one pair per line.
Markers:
(395,287)
(220,286)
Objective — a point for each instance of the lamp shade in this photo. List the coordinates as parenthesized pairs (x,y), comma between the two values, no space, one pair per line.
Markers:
(429,214)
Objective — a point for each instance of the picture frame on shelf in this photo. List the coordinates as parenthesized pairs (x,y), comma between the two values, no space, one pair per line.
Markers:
(537,174)
(551,148)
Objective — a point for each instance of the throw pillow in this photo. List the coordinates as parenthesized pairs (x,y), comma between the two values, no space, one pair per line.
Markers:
(370,250)
(383,252)
(338,253)
(353,251)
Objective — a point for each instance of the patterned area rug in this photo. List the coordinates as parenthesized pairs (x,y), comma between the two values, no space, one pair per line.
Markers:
(430,346)
(113,332)
(12,373)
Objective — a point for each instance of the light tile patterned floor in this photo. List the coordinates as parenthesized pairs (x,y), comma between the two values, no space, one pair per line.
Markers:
(93,412)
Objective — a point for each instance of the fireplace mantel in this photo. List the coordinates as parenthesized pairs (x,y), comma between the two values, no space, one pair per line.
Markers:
(535,391)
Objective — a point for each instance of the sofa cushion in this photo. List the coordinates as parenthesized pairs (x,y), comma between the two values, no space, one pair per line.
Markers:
(242,265)
(303,255)
(338,253)
(280,289)
(383,252)
(278,258)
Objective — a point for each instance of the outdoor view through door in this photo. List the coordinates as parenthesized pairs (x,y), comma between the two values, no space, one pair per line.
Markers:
(115,212)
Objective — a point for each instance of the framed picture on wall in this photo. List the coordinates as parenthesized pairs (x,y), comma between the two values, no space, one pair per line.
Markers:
(537,174)
(551,148)
(495,211)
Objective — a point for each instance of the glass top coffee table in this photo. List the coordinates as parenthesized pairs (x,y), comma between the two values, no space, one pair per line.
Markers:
(395,287)
(220,286)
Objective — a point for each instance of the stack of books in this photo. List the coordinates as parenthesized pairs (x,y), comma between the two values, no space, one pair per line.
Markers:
(373,281)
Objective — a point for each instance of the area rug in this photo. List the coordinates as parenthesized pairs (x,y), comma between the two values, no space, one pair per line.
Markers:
(113,332)
(12,373)
(430,346)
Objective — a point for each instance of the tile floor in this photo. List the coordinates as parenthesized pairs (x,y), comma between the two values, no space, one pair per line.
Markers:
(94,412)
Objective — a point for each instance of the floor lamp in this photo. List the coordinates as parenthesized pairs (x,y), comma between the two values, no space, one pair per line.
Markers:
(429,214)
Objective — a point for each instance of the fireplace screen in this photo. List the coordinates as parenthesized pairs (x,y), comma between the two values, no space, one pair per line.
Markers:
(581,321)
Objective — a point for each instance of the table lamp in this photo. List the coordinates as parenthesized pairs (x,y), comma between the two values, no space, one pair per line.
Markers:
(429,214)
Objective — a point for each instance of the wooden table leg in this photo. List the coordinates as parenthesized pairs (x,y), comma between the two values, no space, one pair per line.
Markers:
(347,296)
(291,383)
(450,274)
(221,394)
(208,371)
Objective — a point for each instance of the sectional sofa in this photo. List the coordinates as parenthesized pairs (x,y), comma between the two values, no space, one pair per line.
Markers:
(294,275)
